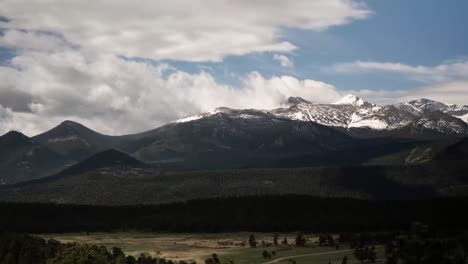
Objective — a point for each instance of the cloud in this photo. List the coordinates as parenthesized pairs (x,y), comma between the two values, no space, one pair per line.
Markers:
(27,40)
(77,59)
(283,60)
(446,82)
(189,30)
(116,96)
(439,73)
(453,92)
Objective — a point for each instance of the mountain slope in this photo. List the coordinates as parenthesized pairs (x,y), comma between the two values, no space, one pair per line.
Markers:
(423,106)
(348,132)
(228,138)
(114,178)
(117,186)
(304,134)
(22,158)
(136,183)
(96,176)
(74,140)
(107,160)
(446,169)
(411,120)
(456,153)
(77,142)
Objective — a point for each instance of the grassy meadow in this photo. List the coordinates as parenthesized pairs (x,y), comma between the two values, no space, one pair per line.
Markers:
(230,247)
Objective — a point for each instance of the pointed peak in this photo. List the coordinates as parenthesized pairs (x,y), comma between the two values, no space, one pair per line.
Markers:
(423,101)
(113,156)
(71,127)
(297,100)
(70,123)
(65,129)
(105,159)
(13,138)
(14,134)
(351,99)
(220,109)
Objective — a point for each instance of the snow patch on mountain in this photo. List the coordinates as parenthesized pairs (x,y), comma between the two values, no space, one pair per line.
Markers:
(351,100)
(354,112)
(64,139)
(358,122)
(188,119)
(463,117)
(248,116)
(196,117)
(426,106)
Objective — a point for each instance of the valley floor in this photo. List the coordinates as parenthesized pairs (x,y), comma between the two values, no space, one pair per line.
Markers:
(228,246)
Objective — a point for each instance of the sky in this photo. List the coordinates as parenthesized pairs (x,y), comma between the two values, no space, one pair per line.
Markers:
(120,66)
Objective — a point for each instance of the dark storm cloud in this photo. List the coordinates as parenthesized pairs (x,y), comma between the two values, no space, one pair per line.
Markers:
(4,19)
(17,101)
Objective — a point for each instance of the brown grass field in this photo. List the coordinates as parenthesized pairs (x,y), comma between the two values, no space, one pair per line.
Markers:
(198,247)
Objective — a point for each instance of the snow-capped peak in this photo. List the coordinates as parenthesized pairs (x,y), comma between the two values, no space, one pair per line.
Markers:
(352,112)
(426,106)
(352,100)
(200,116)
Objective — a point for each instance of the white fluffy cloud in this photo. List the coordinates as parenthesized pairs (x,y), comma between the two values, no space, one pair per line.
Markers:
(439,73)
(33,41)
(283,60)
(447,82)
(116,96)
(453,92)
(190,30)
(72,60)
(75,59)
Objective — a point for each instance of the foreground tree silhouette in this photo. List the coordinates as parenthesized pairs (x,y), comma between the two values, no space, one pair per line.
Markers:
(252,241)
(275,239)
(25,249)
(300,240)
(345,260)
(213,260)
(365,254)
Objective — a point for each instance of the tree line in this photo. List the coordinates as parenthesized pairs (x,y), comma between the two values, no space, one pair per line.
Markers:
(421,244)
(255,213)
(26,249)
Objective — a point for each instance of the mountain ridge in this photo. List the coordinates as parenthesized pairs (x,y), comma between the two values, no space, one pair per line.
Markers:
(140,184)
(23,158)
(352,112)
(74,140)
(108,159)
(301,134)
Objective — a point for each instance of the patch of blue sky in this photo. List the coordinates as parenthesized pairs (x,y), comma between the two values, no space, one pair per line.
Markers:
(416,32)
(6,54)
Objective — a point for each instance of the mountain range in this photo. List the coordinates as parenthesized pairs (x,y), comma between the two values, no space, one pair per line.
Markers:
(114,178)
(349,133)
